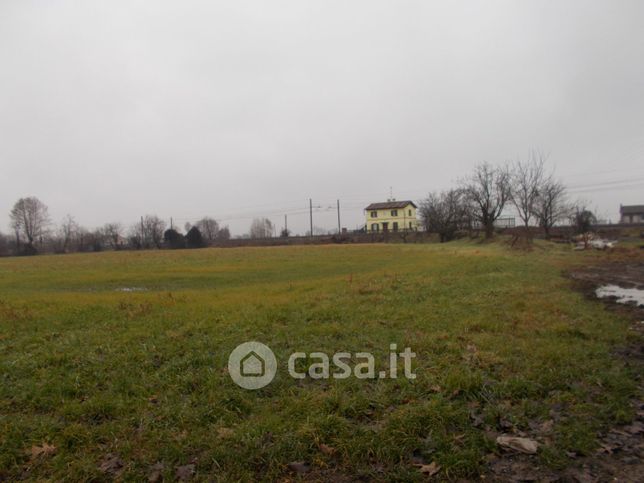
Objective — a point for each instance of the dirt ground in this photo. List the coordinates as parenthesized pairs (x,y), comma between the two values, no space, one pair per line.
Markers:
(621,453)
(625,273)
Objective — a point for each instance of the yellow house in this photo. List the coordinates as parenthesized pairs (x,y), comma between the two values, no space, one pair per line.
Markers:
(391,215)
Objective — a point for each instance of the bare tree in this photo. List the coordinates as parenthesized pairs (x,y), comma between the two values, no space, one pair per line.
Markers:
(551,207)
(444,213)
(135,237)
(148,233)
(261,228)
(209,229)
(30,219)
(113,233)
(223,233)
(68,232)
(488,189)
(526,178)
(90,240)
(153,228)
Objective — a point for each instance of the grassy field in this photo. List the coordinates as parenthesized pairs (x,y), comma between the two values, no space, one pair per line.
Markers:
(503,344)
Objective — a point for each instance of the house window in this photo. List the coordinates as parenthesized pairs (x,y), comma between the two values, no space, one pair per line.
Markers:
(410,227)
(394,212)
(374,214)
(395,226)
(374,227)
(409,212)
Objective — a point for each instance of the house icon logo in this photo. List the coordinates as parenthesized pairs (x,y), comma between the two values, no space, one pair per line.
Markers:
(252,365)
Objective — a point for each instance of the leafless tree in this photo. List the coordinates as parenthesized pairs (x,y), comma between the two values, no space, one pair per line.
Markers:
(30,219)
(209,229)
(551,206)
(223,234)
(261,228)
(148,233)
(90,240)
(153,228)
(444,213)
(135,237)
(68,232)
(488,190)
(113,233)
(526,179)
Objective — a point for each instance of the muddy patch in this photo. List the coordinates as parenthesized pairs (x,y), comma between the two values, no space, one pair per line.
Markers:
(619,284)
(623,274)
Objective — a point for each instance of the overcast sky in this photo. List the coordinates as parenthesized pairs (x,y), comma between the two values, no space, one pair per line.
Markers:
(114,109)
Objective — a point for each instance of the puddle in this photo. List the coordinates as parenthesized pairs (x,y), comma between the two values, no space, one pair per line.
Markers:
(621,295)
(131,289)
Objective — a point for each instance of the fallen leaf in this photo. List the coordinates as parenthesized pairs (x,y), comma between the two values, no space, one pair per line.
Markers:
(111,464)
(299,467)
(185,472)
(42,450)
(156,473)
(153,399)
(430,469)
(523,445)
(326,449)
(547,426)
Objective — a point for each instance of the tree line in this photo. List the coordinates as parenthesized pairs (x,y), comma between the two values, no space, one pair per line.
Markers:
(34,232)
(479,200)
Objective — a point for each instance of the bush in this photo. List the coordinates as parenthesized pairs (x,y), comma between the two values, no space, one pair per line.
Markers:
(173,239)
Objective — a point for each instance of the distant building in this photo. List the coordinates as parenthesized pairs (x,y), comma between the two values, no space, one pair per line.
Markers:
(501,222)
(504,222)
(631,214)
(391,215)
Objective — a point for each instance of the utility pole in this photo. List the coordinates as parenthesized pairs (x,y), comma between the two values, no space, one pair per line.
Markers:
(339,225)
(142,232)
(171,224)
(286,225)
(311,215)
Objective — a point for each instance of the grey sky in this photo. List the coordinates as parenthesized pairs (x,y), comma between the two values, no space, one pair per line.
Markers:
(112,110)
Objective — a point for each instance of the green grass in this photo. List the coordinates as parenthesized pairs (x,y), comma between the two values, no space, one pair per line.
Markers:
(93,370)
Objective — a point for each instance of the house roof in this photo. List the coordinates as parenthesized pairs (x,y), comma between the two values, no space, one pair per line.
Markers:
(631,210)
(390,205)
